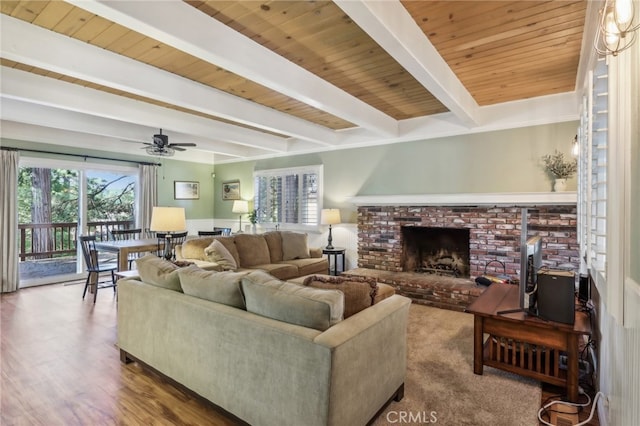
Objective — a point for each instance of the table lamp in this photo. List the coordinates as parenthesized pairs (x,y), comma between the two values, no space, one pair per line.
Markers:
(329,217)
(167,220)
(242,207)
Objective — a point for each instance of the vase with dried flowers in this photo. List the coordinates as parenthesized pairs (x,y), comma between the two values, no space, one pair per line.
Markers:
(560,169)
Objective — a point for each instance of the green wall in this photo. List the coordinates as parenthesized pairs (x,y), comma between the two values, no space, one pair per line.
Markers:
(168,172)
(499,161)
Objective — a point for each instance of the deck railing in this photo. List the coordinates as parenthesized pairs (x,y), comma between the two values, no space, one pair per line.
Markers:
(48,240)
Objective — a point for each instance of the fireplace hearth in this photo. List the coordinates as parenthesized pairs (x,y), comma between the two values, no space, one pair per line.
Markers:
(435,250)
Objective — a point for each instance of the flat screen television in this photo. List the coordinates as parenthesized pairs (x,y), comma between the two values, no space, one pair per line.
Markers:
(530,264)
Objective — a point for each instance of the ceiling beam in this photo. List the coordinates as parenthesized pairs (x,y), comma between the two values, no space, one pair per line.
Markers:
(393,28)
(56,118)
(37,89)
(12,130)
(35,46)
(184,27)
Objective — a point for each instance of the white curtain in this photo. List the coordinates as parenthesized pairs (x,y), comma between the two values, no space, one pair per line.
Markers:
(9,219)
(148,194)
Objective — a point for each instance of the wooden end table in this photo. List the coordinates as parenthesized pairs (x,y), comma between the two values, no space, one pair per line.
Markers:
(524,344)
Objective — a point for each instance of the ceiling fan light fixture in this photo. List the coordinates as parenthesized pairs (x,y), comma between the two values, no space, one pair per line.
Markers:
(164,152)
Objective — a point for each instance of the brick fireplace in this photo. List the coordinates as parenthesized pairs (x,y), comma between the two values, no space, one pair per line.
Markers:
(493,234)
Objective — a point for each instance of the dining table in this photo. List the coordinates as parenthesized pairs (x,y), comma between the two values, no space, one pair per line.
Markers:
(125,247)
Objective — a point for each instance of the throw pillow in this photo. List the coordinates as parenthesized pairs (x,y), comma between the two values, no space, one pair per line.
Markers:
(294,245)
(359,292)
(218,253)
(220,287)
(194,248)
(230,244)
(157,271)
(309,307)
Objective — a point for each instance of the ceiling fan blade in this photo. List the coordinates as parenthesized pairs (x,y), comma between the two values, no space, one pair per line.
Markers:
(177,148)
(182,144)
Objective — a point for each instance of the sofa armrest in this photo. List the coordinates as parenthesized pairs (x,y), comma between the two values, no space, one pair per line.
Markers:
(369,357)
(178,251)
(315,252)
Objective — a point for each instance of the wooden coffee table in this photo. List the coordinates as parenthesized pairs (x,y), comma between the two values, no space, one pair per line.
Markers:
(525,344)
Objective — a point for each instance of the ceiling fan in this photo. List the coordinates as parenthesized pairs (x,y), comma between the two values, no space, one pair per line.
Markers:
(161,146)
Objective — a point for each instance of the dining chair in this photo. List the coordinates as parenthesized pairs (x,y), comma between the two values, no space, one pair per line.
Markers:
(95,267)
(208,233)
(225,231)
(127,234)
(171,239)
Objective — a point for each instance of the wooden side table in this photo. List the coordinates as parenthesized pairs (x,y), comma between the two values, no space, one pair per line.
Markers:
(335,252)
(524,344)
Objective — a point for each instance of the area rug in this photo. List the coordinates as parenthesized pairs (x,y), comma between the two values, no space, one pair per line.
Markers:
(441,388)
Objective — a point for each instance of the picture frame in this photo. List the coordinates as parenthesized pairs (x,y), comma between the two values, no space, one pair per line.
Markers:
(231,190)
(186,190)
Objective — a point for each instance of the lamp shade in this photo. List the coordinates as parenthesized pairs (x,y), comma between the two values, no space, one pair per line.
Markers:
(240,206)
(329,216)
(168,219)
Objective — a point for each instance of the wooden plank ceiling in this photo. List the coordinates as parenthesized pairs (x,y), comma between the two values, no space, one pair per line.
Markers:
(499,50)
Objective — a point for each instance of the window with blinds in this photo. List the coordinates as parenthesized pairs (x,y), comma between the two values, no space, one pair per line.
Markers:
(288,196)
(592,201)
(599,137)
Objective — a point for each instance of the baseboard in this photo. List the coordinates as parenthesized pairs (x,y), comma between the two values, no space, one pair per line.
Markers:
(603,412)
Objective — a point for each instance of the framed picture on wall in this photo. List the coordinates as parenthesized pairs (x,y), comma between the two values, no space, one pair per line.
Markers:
(184,190)
(231,190)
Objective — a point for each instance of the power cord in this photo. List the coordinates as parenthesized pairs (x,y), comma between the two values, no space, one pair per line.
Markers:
(571,404)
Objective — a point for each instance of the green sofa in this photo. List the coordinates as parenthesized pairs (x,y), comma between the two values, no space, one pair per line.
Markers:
(263,370)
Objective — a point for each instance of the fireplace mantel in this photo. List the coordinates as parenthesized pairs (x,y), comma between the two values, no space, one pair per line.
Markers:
(470,199)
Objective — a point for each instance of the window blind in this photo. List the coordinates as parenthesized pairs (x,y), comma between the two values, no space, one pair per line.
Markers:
(599,137)
(288,196)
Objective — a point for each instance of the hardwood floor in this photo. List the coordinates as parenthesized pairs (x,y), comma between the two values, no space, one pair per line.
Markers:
(60,366)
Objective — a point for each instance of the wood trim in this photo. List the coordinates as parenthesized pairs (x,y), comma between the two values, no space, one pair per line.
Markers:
(469,199)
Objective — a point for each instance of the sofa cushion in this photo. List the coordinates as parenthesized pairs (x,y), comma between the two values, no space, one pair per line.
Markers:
(309,307)
(220,287)
(157,271)
(274,241)
(218,253)
(282,271)
(194,248)
(310,266)
(359,292)
(294,245)
(252,249)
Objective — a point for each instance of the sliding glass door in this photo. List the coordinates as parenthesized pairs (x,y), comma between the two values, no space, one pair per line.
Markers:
(60,200)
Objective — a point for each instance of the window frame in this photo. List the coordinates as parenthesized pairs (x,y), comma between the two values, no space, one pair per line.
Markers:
(283,173)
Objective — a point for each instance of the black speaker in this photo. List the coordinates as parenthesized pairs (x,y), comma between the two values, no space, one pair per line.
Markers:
(556,296)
